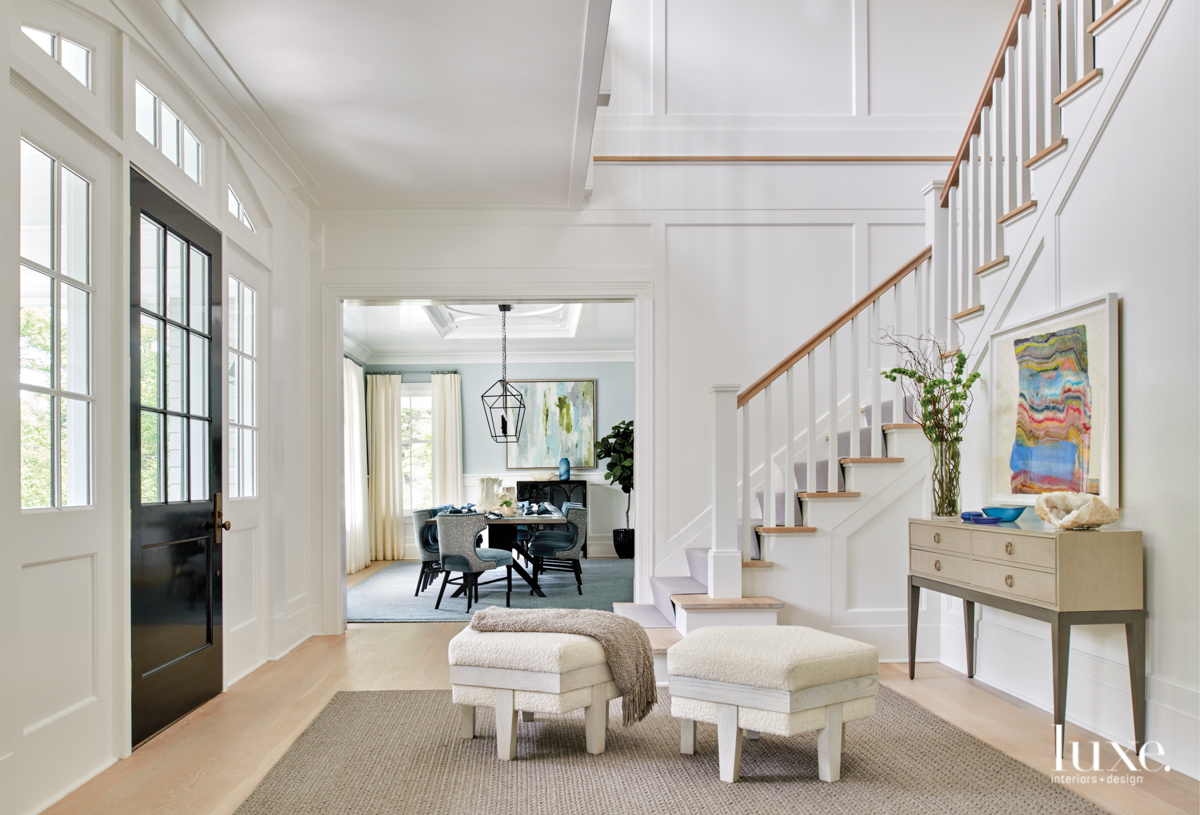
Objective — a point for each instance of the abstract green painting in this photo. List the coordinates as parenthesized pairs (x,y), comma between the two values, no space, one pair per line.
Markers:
(560,421)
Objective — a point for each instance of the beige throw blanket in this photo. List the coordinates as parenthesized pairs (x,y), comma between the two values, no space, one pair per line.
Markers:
(626,646)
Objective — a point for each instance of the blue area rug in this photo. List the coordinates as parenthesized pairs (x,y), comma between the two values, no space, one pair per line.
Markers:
(387,596)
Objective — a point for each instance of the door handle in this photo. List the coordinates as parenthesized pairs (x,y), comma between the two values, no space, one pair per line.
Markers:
(219,523)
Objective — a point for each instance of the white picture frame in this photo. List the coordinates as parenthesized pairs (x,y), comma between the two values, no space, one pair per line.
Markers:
(1100,317)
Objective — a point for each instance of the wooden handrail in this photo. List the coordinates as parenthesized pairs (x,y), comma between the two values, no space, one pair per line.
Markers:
(985,98)
(826,332)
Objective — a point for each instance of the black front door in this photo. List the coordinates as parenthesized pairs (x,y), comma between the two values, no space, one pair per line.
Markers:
(175,457)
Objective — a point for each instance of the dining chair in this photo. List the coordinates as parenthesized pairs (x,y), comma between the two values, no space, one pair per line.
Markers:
(559,550)
(457,536)
(427,545)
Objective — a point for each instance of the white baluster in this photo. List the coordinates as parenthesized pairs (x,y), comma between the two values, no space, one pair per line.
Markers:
(986,215)
(945,287)
(1010,151)
(855,401)
(1069,42)
(1037,75)
(748,537)
(973,220)
(768,459)
(996,173)
(1024,108)
(810,447)
(1054,75)
(1086,44)
(964,251)
(789,450)
(898,304)
(876,386)
(834,463)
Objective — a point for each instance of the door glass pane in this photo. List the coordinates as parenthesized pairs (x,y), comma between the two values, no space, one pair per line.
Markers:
(73,218)
(198,279)
(234,315)
(145,114)
(176,368)
(176,459)
(151,361)
(36,338)
(235,486)
(170,134)
(151,249)
(36,455)
(151,457)
(37,185)
(247,320)
(234,394)
(198,403)
(73,338)
(199,460)
(191,155)
(74,446)
(176,260)
(77,60)
(248,479)
(247,413)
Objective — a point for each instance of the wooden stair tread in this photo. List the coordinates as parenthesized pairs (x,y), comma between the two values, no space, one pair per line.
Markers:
(903,426)
(757,564)
(962,315)
(1000,261)
(702,602)
(1008,216)
(663,638)
(785,530)
(869,460)
(818,495)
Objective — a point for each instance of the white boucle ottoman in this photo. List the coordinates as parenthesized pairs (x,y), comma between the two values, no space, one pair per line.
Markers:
(531,673)
(783,680)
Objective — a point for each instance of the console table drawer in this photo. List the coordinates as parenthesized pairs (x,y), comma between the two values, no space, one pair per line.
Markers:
(940,537)
(1000,579)
(1023,549)
(943,567)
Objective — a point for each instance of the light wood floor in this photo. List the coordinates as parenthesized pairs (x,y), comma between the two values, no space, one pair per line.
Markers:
(210,761)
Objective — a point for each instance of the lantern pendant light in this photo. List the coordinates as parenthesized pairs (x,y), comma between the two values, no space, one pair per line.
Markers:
(502,403)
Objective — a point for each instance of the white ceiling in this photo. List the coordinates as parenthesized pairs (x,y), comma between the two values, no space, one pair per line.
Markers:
(405,334)
(403,103)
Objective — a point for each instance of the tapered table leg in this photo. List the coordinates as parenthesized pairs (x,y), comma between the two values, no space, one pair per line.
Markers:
(1060,644)
(1135,642)
(914,606)
(969,625)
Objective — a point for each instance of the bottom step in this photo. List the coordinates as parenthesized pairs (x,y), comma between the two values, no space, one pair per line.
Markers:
(645,614)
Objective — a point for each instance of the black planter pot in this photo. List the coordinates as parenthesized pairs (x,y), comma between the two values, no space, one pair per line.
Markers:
(623,543)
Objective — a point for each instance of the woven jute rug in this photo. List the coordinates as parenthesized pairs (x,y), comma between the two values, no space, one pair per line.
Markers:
(374,752)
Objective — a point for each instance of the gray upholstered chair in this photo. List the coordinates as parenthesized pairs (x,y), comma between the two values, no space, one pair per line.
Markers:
(456,544)
(560,550)
(427,545)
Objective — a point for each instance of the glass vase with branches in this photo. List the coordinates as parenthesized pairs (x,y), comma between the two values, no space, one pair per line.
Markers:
(936,381)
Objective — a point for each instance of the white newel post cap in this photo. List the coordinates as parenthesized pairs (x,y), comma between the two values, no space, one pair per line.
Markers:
(724,388)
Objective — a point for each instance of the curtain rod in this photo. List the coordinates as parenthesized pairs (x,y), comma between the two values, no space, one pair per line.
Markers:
(401,372)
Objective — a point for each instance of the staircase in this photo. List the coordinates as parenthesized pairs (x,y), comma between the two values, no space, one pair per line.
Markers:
(806,428)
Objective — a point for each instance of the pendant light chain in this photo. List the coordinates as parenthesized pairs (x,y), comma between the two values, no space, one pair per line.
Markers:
(504,346)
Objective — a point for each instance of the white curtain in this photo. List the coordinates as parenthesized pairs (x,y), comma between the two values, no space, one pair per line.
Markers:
(447,439)
(358,541)
(386,489)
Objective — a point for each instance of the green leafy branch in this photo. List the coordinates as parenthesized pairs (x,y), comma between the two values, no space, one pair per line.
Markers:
(937,382)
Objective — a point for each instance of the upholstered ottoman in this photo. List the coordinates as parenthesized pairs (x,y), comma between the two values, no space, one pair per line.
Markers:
(783,680)
(531,673)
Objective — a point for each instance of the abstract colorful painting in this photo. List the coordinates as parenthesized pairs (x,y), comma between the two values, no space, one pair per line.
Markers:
(1054,414)
(560,422)
(1053,389)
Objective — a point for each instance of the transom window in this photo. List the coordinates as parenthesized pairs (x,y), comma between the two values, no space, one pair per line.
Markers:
(55,334)
(175,337)
(76,58)
(238,211)
(416,434)
(243,407)
(160,126)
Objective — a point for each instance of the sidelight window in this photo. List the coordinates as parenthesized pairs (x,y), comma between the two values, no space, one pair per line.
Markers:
(243,393)
(55,333)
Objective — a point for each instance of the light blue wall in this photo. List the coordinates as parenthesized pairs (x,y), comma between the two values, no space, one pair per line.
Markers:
(614,398)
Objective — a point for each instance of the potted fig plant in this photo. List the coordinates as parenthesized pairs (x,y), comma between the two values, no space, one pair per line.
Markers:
(617,447)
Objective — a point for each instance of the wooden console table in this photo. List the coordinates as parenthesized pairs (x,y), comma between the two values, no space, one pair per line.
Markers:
(1062,577)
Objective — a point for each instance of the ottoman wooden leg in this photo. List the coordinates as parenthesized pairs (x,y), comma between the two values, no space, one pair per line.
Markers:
(729,742)
(527,715)
(595,718)
(687,737)
(752,734)
(506,725)
(466,721)
(829,745)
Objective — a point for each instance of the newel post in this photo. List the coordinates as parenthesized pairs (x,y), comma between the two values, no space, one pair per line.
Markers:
(937,235)
(724,559)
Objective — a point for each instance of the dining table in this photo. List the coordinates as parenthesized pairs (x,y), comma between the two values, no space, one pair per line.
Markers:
(502,534)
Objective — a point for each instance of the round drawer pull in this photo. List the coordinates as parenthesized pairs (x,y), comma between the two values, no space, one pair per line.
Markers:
(1008,581)
(1008,547)
(937,565)
(937,537)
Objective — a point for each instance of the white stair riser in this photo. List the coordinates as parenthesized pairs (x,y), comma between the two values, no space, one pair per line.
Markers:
(688,621)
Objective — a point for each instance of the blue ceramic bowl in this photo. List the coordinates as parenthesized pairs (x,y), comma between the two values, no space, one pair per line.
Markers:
(1006,514)
(984,520)
(967,516)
